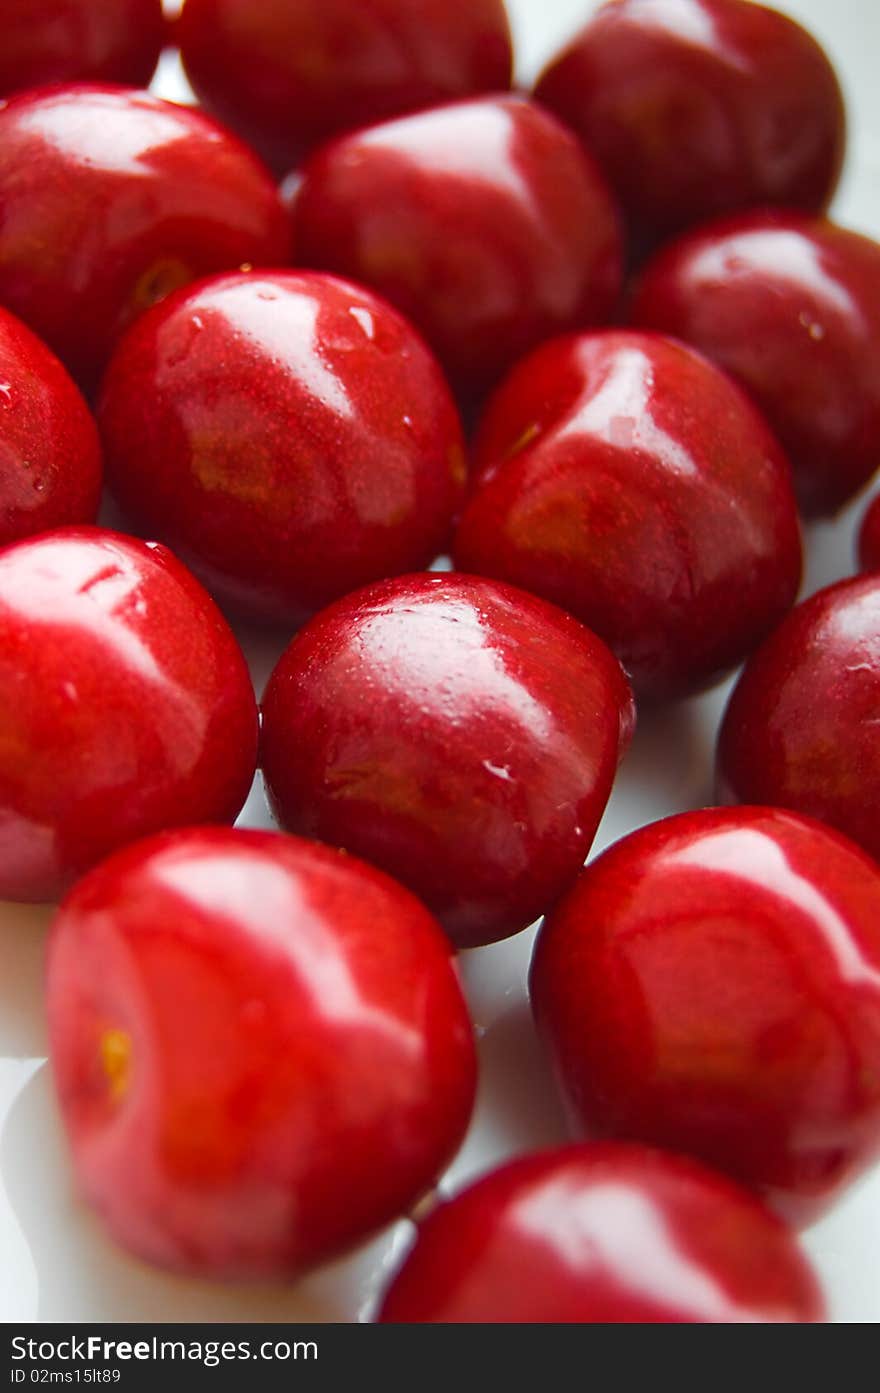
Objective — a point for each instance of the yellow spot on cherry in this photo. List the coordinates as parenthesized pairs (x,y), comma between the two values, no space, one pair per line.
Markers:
(116,1052)
(159,280)
(457,464)
(523,441)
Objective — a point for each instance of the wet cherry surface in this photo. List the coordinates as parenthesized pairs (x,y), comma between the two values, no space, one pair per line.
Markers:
(70,40)
(288,76)
(790,307)
(50,456)
(127,705)
(800,729)
(603,1233)
(712,985)
(460,734)
(700,107)
(288,433)
(109,198)
(670,531)
(483,221)
(260,1049)
(56,1263)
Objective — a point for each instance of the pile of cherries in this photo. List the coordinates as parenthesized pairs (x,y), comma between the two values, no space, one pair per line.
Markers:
(626,286)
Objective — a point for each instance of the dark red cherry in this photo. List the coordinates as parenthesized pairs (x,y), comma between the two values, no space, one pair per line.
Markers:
(260,1048)
(72,40)
(288,75)
(456,732)
(868,544)
(790,307)
(109,198)
(800,729)
(695,108)
(50,456)
(288,433)
(606,1233)
(712,985)
(626,479)
(483,221)
(127,705)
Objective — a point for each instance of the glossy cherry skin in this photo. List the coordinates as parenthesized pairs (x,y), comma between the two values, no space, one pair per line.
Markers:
(790,307)
(800,729)
(458,733)
(712,985)
(109,198)
(670,531)
(607,1233)
(290,75)
(483,221)
(695,108)
(868,544)
(50,455)
(289,433)
(126,705)
(72,40)
(260,1048)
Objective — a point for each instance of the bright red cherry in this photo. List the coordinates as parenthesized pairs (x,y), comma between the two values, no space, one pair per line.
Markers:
(260,1048)
(456,732)
(483,221)
(869,537)
(70,40)
(289,73)
(670,529)
(607,1234)
(109,198)
(800,730)
(50,456)
(127,705)
(288,433)
(712,984)
(699,107)
(790,307)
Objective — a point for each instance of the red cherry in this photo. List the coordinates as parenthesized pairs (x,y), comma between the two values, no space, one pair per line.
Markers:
(109,198)
(127,705)
(67,40)
(790,307)
(712,984)
(289,433)
(50,457)
(869,537)
(483,221)
(458,733)
(260,1048)
(699,107)
(289,75)
(671,531)
(603,1234)
(800,730)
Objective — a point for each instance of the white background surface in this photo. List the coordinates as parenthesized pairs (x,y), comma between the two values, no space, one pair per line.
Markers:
(55,1263)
